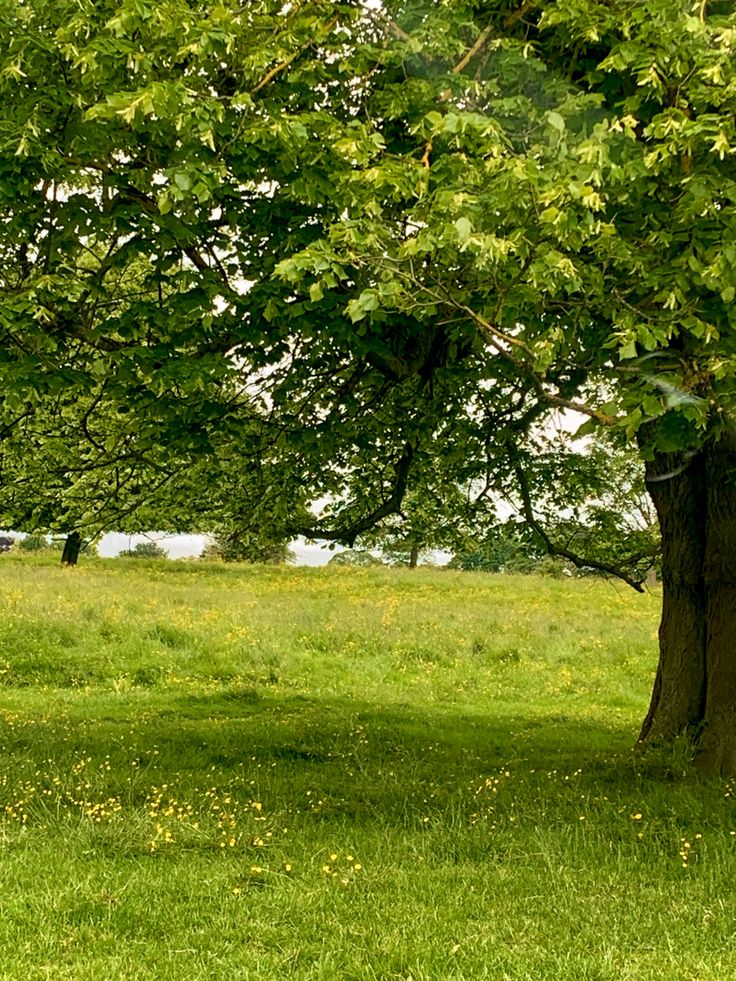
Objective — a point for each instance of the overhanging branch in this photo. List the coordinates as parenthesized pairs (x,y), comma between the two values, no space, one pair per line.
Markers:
(512,349)
(579,561)
(391,505)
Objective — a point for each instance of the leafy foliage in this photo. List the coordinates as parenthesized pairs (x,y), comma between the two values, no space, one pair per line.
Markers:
(316,252)
(237,548)
(144,550)
(509,547)
(355,557)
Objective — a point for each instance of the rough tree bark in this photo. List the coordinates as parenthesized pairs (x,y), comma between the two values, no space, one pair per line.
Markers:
(677,489)
(717,750)
(695,686)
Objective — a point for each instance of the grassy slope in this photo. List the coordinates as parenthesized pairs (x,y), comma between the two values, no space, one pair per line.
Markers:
(225,773)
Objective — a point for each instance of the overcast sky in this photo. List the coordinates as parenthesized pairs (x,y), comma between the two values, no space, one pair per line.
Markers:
(181,546)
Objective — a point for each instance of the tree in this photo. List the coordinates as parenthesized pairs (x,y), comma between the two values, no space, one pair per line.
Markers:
(355,557)
(435,513)
(507,547)
(144,550)
(579,211)
(383,238)
(232,547)
(76,467)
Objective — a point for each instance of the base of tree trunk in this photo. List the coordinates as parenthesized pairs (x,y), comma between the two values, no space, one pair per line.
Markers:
(694,691)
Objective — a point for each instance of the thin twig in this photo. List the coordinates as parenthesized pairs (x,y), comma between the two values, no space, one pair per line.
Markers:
(495,335)
(488,328)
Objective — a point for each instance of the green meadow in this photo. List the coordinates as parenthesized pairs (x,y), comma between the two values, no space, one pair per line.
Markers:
(233,772)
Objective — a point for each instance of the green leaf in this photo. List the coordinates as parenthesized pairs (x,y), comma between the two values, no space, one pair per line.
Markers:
(359,308)
(652,406)
(164,202)
(464,229)
(628,351)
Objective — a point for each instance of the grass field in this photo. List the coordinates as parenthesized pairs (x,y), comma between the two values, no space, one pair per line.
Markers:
(216,772)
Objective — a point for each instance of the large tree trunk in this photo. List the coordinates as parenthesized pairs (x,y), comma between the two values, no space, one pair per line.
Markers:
(717,750)
(72,547)
(677,489)
(695,686)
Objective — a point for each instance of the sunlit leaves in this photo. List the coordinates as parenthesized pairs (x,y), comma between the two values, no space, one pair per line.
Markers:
(346,225)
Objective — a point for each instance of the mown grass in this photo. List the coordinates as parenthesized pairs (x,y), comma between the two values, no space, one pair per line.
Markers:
(229,773)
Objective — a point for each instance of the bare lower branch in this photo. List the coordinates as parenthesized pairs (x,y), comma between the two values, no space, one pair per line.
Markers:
(391,505)
(579,561)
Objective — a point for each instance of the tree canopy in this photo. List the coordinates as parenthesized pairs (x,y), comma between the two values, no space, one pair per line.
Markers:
(323,247)
(332,232)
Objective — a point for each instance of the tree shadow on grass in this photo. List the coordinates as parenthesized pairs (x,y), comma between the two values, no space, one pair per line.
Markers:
(356,758)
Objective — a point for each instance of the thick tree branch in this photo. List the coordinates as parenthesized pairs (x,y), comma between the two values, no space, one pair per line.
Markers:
(277,69)
(518,14)
(579,561)
(398,32)
(472,51)
(391,505)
